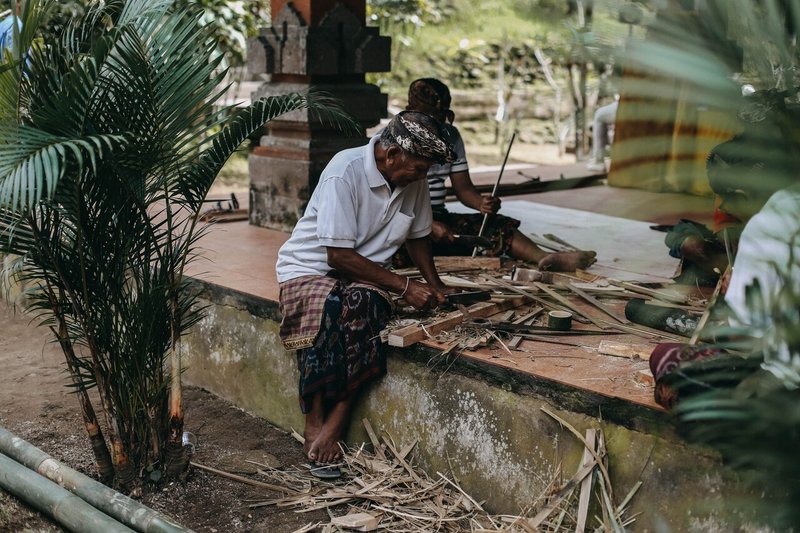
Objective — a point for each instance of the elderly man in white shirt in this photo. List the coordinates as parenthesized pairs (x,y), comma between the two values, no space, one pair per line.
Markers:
(334,283)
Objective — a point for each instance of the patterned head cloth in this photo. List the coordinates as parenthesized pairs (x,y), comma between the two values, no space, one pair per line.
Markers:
(420,135)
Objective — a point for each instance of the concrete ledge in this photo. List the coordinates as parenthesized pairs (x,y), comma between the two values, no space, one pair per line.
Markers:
(482,423)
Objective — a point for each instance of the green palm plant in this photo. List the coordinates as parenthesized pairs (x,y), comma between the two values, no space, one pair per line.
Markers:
(745,403)
(109,142)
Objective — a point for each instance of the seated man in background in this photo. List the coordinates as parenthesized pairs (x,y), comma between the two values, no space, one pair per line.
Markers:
(769,243)
(334,285)
(705,253)
(431,96)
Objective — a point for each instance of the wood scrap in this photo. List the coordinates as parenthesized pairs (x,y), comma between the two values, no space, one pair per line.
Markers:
(526,293)
(645,377)
(242,479)
(357,521)
(631,351)
(390,494)
(527,318)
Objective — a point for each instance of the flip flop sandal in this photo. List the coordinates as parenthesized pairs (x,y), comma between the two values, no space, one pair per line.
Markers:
(322,471)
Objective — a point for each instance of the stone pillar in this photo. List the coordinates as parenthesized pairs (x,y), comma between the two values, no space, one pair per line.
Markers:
(324,44)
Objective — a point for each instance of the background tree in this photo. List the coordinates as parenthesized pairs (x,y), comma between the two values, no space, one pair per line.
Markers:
(110,138)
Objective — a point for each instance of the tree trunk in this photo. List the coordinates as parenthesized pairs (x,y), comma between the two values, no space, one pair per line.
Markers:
(102,458)
(176,459)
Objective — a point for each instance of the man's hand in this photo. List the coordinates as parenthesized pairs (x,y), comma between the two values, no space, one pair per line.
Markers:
(423,296)
(441,233)
(490,205)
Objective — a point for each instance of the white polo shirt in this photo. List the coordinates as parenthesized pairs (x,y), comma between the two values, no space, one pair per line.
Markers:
(769,245)
(353,207)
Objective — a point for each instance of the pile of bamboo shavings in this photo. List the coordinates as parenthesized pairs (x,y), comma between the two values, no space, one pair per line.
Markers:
(383,490)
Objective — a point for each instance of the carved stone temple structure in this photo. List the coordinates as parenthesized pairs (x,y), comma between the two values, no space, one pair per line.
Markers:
(326,45)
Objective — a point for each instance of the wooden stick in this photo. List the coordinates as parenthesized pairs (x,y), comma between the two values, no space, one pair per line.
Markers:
(598,460)
(703,319)
(494,191)
(592,300)
(248,481)
(523,292)
(674,298)
(562,242)
(586,485)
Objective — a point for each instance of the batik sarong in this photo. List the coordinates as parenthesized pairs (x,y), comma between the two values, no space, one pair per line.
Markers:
(665,359)
(346,351)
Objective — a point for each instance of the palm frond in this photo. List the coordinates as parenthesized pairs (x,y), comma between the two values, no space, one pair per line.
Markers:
(32,162)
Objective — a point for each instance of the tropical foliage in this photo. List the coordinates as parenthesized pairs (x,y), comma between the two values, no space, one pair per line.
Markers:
(230,22)
(745,404)
(109,141)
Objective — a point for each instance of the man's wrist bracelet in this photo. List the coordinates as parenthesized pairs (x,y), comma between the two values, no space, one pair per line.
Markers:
(408,281)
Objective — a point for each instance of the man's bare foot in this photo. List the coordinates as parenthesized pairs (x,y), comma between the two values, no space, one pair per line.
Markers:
(325,448)
(314,422)
(567,261)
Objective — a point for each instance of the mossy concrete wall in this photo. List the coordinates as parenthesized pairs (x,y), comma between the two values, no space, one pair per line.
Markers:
(485,428)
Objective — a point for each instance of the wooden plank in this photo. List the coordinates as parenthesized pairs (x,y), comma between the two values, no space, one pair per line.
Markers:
(631,351)
(409,335)
(444,262)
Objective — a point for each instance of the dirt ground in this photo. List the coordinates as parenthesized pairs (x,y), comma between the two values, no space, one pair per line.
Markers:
(36,406)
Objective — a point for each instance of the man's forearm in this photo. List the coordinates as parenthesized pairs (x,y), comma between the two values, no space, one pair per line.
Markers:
(356,267)
(420,252)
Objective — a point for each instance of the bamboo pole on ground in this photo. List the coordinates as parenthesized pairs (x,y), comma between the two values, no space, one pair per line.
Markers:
(67,509)
(97,495)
